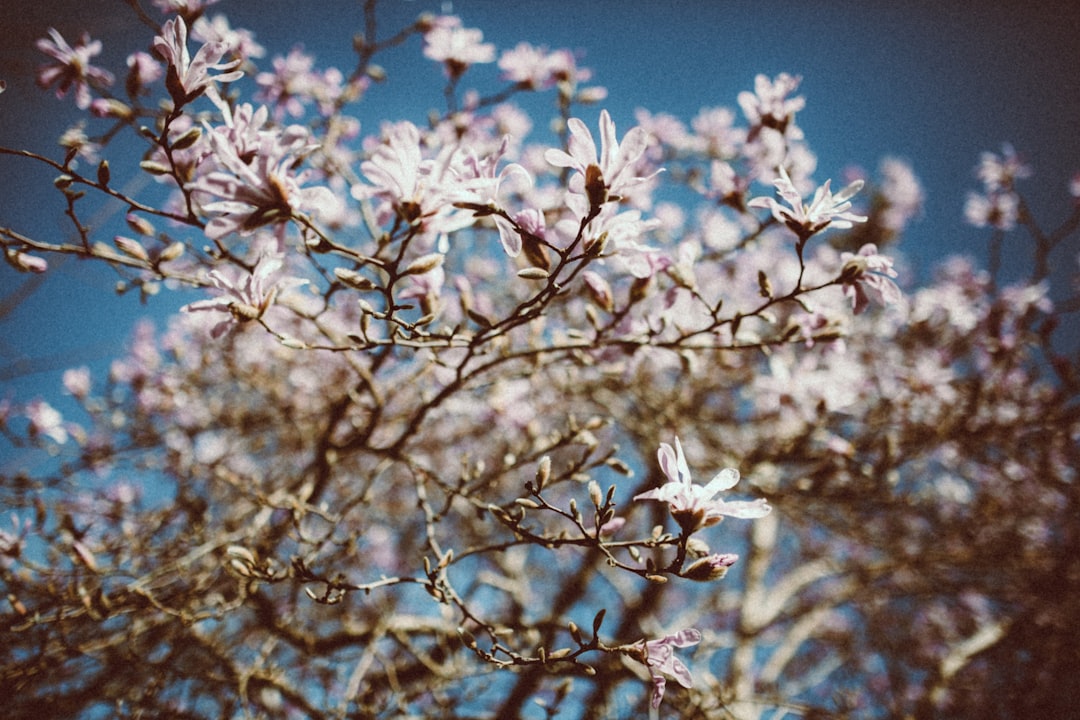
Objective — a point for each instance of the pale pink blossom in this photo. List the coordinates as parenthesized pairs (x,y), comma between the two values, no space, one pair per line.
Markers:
(77,381)
(660,660)
(715,132)
(1000,172)
(187,8)
(71,69)
(867,275)
(260,187)
(143,71)
(902,193)
(602,177)
(246,298)
(187,78)
(770,105)
(825,210)
(535,67)
(409,187)
(238,43)
(693,506)
(456,47)
(998,210)
(46,420)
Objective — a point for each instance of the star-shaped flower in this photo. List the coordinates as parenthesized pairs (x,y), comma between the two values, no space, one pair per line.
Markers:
(825,210)
(693,506)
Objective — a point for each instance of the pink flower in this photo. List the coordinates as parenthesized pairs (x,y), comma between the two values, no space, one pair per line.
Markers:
(534,67)
(72,68)
(868,276)
(187,8)
(902,193)
(189,78)
(824,210)
(1000,172)
(660,658)
(998,209)
(259,187)
(77,381)
(238,43)
(602,176)
(245,299)
(411,188)
(143,70)
(693,506)
(456,47)
(46,420)
(769,104)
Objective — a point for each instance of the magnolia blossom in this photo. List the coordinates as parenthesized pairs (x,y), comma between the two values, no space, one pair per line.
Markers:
(238,42)
(999,209)
(660,659)
(693,506)
(1000,172)
(72,68)
(535,67)
(602,176)
(245,299)
(187,8)
(867,276)
(456,47)
(46,420)
(824,210)
(410,187)
(264,190)
(769,104)
(189,78)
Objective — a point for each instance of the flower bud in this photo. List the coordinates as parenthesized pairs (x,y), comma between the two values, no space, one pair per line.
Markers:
(710,568)
(353,279)
(172,252)
(424,263)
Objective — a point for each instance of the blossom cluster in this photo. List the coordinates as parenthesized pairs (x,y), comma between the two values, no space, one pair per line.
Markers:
(399,434)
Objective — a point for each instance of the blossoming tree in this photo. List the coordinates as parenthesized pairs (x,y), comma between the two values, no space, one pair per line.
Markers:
(397,457)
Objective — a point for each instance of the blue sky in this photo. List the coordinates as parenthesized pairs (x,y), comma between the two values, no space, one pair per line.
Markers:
(934,83)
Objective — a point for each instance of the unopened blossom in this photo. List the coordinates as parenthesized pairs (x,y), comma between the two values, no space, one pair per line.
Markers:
(26,263)
(456,47)
(245,299)
(825,210)
(602,177)
(659,656)
(710,567)
(187,78)
(867,275)
(71,68)
(693,506)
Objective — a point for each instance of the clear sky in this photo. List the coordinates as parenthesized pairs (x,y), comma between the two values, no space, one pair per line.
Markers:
(934,83)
